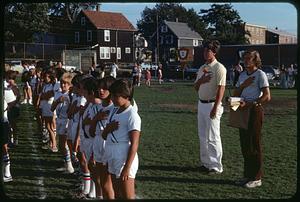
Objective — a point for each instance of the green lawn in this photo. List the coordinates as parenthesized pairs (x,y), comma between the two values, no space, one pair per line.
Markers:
(169,151)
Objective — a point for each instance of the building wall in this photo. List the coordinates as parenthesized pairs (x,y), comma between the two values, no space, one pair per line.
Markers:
(258,34)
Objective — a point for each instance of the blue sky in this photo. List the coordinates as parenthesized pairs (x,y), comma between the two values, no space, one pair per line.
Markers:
(271,15)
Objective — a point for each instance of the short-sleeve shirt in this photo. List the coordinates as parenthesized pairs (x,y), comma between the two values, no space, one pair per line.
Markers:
(100,108)
(61,109)
(254,91)
(207,91)
(47,87)
(9,95)
(129,120)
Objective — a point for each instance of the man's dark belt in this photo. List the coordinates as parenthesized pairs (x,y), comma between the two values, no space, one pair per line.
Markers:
(207,101)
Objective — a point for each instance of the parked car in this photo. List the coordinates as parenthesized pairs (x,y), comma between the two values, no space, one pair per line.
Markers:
(16,65)
(272,73)
(148,65)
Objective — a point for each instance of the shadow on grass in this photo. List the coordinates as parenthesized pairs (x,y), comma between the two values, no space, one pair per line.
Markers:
(185,180)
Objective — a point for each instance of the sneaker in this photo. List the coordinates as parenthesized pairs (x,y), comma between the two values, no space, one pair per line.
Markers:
(213,172)
(203,169)
(45,147)
(80,195)
(54,150)
(24,102)
(30,102)
(253,184)
(241,182)
(61,169)
(70,169)
(7,179)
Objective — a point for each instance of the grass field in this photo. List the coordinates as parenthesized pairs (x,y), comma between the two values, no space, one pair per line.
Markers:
(169,152)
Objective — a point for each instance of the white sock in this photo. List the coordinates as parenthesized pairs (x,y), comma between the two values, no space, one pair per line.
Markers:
(6,164)
(86,183)
(92,193)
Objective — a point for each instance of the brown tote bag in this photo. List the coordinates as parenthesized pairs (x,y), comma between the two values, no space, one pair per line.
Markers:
(239,118)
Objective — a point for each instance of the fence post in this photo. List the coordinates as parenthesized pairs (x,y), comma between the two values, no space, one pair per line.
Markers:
(43,51)
(24,51)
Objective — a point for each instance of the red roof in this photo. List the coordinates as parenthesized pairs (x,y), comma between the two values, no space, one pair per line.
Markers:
(108,20)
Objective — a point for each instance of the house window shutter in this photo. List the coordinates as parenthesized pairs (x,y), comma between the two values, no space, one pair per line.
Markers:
(76,37)
(106,35)
(118,53)
(113,49)
(89,35)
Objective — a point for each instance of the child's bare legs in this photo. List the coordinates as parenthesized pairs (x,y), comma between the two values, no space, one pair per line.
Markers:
(49,126)
(106,181)
(127,188)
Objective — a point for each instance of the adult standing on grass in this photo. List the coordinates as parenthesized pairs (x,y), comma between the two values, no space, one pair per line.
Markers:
(253,87)
(210,85)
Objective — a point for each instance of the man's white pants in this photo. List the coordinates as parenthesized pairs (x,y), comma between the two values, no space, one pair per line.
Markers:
(209,136)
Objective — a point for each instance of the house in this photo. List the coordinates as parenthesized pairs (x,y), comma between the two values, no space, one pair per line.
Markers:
(280,37)
(175,39)
(110,34)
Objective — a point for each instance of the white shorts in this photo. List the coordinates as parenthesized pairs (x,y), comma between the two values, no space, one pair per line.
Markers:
(61,126)
(98,149)
(74,130)
(86,146)
(46,110)
(116,155)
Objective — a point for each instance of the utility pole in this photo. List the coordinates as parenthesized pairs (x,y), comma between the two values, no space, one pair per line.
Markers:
(157,40)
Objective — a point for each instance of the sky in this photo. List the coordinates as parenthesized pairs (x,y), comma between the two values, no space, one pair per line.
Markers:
(271,15)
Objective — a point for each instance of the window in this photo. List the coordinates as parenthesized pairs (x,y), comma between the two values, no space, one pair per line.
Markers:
(104,52)
(113,50)
(118,53)
(171,39)
(82,20)
(76,37)
(163,29)
(89,35)
(127,50)
(106,35)
(195,42)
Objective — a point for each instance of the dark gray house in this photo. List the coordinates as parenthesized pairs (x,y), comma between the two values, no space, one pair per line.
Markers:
(110,34)
(175,38)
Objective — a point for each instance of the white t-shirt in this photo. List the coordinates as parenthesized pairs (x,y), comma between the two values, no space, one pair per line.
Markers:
(46,88)
(128,120)
(9,95)
(80,102)
(61,109)
(207,91)
(99,108)
(252,92)
(86,113)
(5,107)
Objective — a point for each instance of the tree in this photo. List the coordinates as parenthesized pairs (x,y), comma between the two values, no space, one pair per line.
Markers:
(224,24)
(70,10)
(168,11)
(23,20)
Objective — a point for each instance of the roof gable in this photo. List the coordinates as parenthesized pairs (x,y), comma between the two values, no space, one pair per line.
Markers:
(182,30)
(108,20)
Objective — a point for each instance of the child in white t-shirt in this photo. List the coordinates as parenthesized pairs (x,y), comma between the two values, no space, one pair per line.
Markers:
(100,113)
(122,134)
(46,100)
(61,104)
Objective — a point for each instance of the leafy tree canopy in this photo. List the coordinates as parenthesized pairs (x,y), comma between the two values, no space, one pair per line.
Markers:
(224,24)
(22,20)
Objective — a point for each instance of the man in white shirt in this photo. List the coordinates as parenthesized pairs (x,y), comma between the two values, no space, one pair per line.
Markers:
(210,85)
(113,70)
